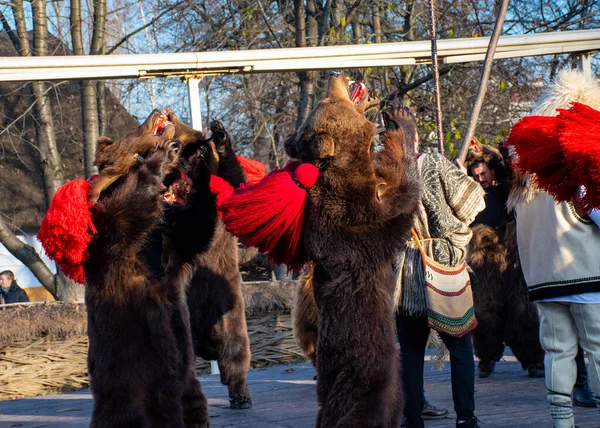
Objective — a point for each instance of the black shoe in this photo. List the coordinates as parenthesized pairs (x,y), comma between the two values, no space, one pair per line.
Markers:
(486,368)
(583,397)
(471,423)
(536,370)
(430,412)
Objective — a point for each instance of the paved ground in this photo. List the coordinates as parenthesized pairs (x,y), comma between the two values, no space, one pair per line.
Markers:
(284,397)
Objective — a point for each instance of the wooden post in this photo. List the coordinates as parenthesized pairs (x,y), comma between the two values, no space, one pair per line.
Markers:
(483,84)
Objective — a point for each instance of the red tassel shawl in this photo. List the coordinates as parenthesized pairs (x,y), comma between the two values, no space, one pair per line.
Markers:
(255,170)
(67,228)
(269,214)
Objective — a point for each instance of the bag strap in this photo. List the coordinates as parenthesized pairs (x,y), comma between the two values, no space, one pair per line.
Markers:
(416,238)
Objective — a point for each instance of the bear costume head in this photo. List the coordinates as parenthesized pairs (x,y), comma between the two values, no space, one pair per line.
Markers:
(359,176)
(114,159)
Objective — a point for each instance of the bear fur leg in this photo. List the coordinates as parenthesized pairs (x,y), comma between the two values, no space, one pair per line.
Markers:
(218,318)
(502,306)
(305,317)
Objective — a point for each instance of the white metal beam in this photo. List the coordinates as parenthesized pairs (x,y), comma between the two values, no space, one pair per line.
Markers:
(274,60)
(193,85)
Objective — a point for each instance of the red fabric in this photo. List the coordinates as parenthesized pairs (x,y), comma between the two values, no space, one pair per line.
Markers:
(67,228)
(255,170)
(269,216)
(580,140)
(563,152)
(537,142)
(221,188)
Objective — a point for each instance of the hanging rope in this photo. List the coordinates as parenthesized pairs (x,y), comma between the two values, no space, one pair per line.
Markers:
(436,78)
(483,84)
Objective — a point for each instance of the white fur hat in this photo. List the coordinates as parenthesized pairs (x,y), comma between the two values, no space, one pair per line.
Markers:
(567,87)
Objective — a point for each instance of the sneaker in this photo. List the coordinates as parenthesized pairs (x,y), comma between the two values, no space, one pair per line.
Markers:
(430,412)
(486,368)
(536,370)
(583,397)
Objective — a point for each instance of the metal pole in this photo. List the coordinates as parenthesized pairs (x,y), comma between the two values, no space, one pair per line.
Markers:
(585,63)
(193,84)
(436,78)
(483,84)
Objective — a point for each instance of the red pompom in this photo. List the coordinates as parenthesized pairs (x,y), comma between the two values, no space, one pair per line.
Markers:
(269,216)
(255,170)
(307,174)
(67,228)
(221,188)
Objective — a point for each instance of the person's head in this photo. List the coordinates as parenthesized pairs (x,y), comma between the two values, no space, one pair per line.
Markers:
(483,174)
(409,126)
(6,278)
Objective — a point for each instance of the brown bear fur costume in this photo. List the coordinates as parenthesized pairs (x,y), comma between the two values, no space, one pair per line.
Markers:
(141,361)
(214,296)
(358,216)
(305,316)
(502,306)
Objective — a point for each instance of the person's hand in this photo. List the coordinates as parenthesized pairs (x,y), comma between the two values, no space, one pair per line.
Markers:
(460,166)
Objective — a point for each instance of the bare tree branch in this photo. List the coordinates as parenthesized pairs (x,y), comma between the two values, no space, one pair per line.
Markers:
(142,28)
(11,33)
(264,15)
(28,256)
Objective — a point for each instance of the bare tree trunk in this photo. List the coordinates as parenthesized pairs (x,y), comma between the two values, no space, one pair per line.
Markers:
(89,107)
(377,32)
(58,285)
(28,256)
(337,12)
(68,290)
(51,163)
(98,48)
(357,30)
(102,117)
(306,78)
(407,72)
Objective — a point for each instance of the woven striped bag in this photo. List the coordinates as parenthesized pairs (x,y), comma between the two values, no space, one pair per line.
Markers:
(449,296)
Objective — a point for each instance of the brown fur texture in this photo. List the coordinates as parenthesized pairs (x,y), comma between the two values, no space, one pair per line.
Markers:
(141,362)
(214,295)
(502,305)
(113,160)
(358,217)
(305,316)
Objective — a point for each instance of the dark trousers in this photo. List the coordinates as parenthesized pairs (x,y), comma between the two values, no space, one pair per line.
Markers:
(581,369)
(412,335)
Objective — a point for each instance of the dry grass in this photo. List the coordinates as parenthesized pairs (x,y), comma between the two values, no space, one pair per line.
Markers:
(52,320)
(43,348)
(268,296)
